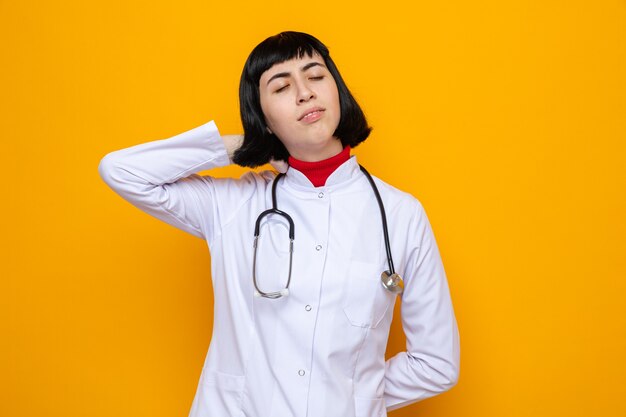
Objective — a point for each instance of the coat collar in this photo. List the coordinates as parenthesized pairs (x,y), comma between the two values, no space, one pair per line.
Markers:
(345,174)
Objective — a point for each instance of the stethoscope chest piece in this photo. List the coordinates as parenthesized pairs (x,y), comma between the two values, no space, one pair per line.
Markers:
(392,282)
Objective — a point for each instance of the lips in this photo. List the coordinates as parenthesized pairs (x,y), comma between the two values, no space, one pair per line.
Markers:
(310,113)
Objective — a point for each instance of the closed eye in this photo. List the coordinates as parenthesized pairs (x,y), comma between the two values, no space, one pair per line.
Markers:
(318,78)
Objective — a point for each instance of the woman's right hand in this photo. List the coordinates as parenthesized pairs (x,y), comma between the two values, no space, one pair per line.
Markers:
(280,166)
(232,143)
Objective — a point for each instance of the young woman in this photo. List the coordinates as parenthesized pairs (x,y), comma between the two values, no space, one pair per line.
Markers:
(302,312)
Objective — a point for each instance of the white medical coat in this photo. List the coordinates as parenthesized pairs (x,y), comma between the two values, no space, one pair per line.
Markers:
(319,352)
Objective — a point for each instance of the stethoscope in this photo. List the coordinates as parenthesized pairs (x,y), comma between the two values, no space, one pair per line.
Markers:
(389,279)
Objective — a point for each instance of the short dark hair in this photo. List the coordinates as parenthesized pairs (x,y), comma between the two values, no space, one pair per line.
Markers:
(259,146)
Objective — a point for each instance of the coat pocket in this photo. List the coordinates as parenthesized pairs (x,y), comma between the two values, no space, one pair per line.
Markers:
(218,394)
(367,301)
(369,407)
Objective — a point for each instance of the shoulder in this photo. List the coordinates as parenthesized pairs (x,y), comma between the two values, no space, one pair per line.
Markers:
(405,211)
(232,195)
(397,199)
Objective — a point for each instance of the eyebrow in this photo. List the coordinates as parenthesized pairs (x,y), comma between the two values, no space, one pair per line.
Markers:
(287,74)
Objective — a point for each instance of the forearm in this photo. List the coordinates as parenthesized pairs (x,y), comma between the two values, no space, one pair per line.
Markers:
(165,161)
(414,377)
(157,176)
(430,365)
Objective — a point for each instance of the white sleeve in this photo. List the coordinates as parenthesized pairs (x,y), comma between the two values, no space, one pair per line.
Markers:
(431,362)
(159,177)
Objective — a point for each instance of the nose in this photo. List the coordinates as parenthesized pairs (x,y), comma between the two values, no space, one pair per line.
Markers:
(305,93)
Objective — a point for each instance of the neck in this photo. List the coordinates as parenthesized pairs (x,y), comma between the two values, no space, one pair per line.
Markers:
(319,171)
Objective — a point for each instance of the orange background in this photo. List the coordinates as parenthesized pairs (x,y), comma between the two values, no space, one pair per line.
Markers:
(507,119)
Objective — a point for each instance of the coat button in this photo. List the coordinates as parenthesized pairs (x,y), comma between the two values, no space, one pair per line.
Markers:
(301,372)
(318,248)
(320,195)
(308,307)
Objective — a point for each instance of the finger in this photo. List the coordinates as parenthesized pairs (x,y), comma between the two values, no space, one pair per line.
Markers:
(280,166)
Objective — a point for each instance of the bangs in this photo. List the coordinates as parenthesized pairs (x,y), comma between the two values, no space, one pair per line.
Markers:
(281,48)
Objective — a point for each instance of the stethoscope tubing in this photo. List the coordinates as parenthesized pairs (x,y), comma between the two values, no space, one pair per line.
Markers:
(257,228)
(384,219)
(274,210)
